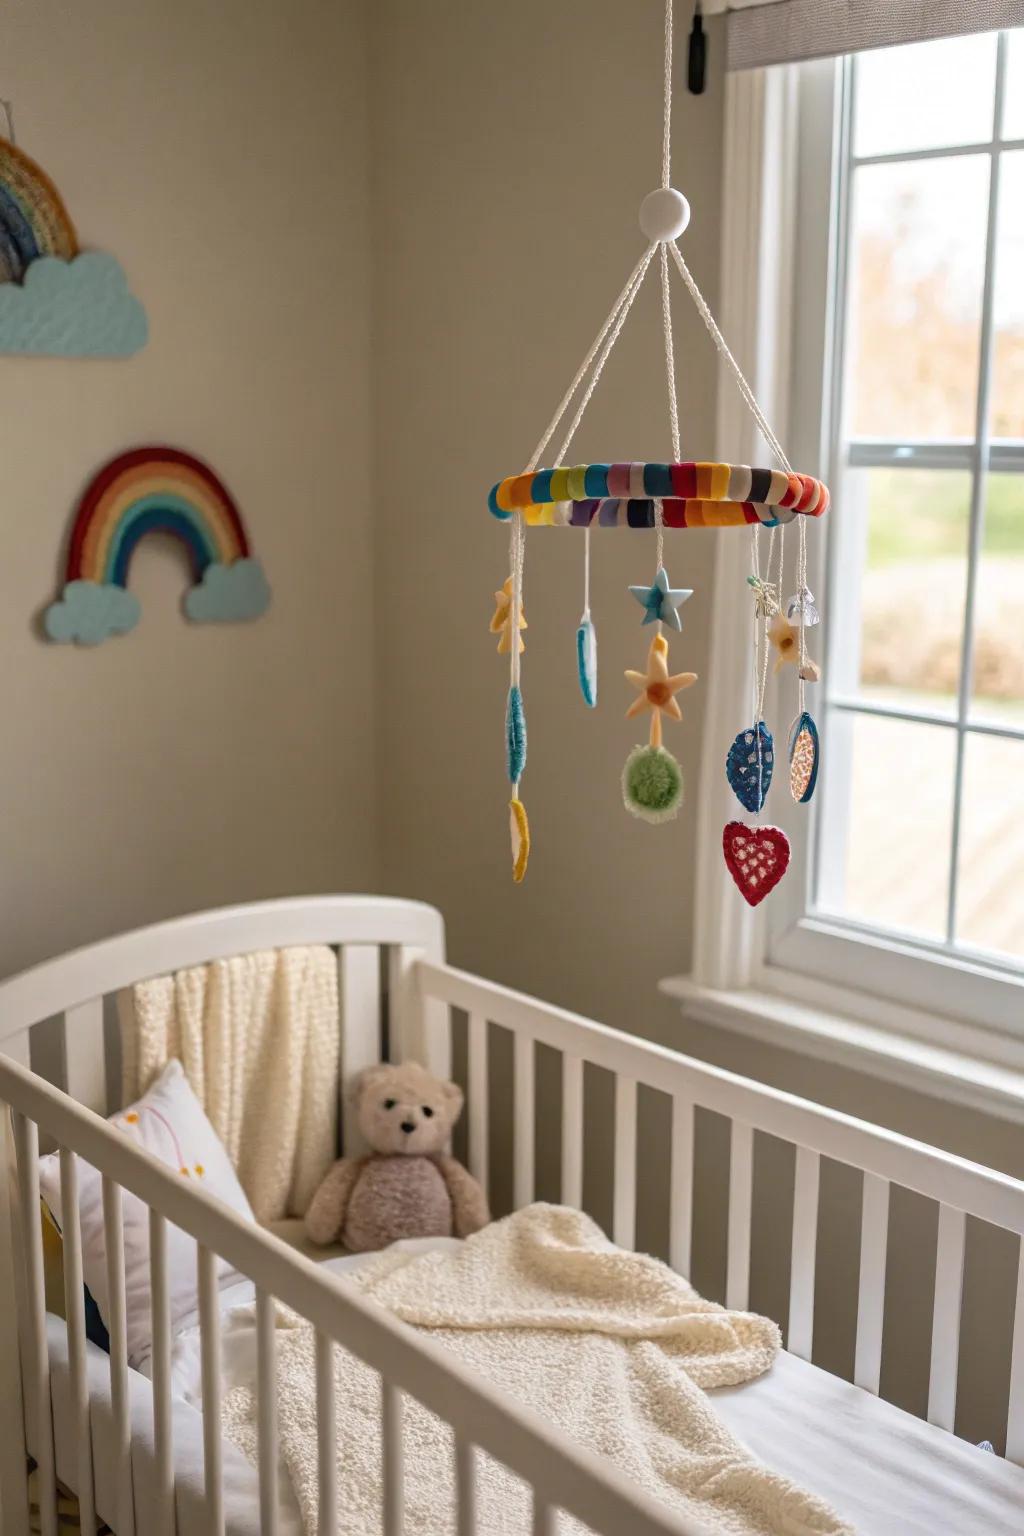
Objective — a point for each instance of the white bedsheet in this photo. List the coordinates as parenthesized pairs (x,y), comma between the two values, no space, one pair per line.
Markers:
(888,1473)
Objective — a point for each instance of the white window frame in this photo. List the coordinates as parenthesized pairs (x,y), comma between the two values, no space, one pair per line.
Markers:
(893,1006)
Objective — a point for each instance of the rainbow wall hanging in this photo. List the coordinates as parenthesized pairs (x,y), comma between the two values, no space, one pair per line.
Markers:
(55,300)
(154,490)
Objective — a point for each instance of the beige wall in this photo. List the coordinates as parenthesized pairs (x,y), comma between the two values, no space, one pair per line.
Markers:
(220,151)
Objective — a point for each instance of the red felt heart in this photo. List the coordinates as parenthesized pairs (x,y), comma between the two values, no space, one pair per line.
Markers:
(756,857)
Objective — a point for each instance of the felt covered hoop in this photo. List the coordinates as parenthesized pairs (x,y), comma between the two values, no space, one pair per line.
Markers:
(693,495)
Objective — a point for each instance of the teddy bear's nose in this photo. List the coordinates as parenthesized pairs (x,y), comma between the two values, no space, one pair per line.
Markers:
(408,1125)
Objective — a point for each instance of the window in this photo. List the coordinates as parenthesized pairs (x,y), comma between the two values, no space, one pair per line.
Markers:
(915,870)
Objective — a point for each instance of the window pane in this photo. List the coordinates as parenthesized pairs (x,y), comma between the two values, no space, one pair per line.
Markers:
(1013,109)
(886,822)
(913,584)
(990,904)
(925,95)
(917,270)
(998,691)
(1008,351)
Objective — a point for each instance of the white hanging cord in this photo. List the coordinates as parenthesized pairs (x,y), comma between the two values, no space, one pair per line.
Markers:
(723,347)
(670,373)
(517,558)
(801,591)
(606,341)
(592,353)
(666,127)
(8,107)
(632,289)
(586,573)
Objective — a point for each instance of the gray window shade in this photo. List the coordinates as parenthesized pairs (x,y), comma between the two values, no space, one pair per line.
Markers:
(778,31)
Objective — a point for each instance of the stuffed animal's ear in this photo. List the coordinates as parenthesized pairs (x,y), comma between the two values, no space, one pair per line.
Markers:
(366,1080)
(453,1097)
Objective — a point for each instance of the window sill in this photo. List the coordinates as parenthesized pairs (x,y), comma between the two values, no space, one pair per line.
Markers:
(897,1055)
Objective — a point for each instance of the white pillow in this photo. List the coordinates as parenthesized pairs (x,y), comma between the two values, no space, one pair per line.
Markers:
(169,1122)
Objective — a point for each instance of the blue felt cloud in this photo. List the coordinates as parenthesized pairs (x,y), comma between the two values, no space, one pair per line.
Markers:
(88,612)
(79,308)
(228,593)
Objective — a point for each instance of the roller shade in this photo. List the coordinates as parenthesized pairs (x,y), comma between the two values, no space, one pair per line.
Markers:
(780,31)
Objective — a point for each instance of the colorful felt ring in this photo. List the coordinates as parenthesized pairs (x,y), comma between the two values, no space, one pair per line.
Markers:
(693,495)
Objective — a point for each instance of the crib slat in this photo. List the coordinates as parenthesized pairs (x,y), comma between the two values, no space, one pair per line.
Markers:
(209,1343)
(478,1100)
(161,1371)
(465,1487)
(26,1138)
(804,1253)
(84,1054)
(74,1311)
(1015,1417)
(266,1408)
(543,1516)
(14,1515)
(572,1131)
(394,1492)
(681,1185)
(624,1211)
(359,1024)
(741,1167)
(874,1243)
(419,1027)
(949,1281)
(113,1237)
(327,1438)
(523,1128)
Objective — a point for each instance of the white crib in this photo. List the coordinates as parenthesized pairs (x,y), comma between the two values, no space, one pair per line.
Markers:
(397,995)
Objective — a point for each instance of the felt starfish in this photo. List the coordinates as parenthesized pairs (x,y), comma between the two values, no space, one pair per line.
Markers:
(658,689)
(784,639)
(501,623)
(661,603)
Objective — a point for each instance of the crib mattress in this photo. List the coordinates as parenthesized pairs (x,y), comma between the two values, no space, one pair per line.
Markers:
(884,1471)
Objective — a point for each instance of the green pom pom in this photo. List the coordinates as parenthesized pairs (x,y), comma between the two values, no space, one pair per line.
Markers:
(652,784)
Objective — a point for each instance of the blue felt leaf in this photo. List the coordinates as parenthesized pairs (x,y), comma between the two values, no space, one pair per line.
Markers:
(749,764)
(515,735)
(586,661)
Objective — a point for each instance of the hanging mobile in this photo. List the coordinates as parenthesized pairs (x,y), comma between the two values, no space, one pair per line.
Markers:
(675,495)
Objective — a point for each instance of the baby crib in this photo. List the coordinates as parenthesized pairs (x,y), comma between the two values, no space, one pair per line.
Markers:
(398,998)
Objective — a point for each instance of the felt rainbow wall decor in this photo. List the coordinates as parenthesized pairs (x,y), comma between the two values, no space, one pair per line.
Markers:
(154,490)
(33,219)
(55,300)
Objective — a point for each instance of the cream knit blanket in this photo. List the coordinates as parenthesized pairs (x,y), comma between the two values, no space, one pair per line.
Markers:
(258,1038)
(614,1347)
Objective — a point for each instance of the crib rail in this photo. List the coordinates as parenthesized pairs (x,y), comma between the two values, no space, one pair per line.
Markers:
(561,1474)
(885,1159)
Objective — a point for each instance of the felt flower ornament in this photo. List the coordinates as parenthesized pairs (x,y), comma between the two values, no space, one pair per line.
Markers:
(785,641)
(657,689)
(501,623)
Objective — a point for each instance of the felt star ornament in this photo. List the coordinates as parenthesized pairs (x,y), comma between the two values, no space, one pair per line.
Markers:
(785,641)
(657,689)
(501,623)
(660,602)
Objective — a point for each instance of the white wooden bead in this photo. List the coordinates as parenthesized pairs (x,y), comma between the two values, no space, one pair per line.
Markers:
(664,214)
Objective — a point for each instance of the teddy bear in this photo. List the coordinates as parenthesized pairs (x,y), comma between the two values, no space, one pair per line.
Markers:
(408,1185)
